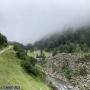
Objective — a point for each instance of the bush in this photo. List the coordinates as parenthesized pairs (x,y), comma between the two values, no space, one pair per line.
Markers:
(84,59)
(21,55)
(3,41)
(85,47)
(28,63)
(67,72)
(32,60)
(41,56)
(18,47)
(83,71)
(20,52)
(29,47)
(54,52)
(69,48)
(29,66)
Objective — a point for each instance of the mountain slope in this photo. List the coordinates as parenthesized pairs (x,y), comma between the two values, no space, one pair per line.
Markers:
(77,36)
(11,73)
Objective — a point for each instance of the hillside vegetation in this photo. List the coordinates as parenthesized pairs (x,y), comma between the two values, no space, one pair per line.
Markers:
(11,73)
(3,41)
(68,41)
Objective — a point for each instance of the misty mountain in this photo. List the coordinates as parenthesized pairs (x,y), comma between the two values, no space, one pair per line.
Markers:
(77,36)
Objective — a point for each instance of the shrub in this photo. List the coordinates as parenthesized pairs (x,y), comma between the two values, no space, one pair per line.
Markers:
(83,71)
(29,66)
(54,53)
(65,69)
(85,47)
(21,55)
(28,63)
(3,41)
(18,47)
(29,47)
(84,59)
(67,48)
(20,52)
(41,56)
(32,60)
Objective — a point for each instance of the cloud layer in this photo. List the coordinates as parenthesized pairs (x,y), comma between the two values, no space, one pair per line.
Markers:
(29,20)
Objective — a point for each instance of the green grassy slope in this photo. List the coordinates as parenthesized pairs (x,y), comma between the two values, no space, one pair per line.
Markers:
(11,73)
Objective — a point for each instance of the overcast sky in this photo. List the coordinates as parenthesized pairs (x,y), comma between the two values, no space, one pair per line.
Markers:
(29,20)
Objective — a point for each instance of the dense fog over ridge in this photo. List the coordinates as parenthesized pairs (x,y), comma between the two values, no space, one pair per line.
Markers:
(27,21)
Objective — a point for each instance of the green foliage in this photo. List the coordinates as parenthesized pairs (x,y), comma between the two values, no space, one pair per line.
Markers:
(20,52)
(66,71)
(83,71)
(84,59)
(36,54)
(32,60)
(69,48)
(3,41)
(78,41)
(85,47)
(29,66)
(18,47)
(54,52)
(41,55)
(77,48)
(69,73)
(28,63)
(41,58)
(29,47)
(17,44)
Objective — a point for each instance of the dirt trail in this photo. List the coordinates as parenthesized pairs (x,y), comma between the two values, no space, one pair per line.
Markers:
(7,48)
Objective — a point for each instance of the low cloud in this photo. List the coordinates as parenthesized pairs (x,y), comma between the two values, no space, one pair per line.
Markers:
(27,21)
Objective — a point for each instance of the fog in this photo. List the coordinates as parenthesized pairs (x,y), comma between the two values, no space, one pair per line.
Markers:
(27,21)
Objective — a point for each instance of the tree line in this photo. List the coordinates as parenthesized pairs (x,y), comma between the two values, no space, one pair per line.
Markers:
(71,40)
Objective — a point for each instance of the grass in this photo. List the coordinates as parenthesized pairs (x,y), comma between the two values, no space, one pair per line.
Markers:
(11,73)
(37,52)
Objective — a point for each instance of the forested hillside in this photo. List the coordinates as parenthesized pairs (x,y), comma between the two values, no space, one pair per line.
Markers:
(71,40)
